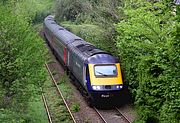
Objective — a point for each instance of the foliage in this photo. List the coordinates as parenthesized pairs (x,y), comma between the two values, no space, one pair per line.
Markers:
(35,10)
(99,12)
(70,9)
(75,107)
(149,46)
(21,64)
(36,110)
(9,116)
(55,103)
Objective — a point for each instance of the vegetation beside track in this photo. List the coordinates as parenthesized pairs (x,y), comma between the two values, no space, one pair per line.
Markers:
(22,56)
(148,43)
(67,92)
(56,106)
(36,110)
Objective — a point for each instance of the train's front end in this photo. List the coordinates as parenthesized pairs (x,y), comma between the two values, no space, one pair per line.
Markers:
(104,78)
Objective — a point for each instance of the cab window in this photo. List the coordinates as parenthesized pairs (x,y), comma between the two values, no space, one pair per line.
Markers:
(105,70)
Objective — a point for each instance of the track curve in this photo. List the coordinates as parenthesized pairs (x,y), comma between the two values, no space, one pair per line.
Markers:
(60,93)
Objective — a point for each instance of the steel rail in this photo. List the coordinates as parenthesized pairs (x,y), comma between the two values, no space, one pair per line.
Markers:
(60,93)
(100,115)
(123,115)
(47,108)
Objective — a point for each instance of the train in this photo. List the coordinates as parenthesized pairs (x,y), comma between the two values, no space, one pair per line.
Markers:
(97,72)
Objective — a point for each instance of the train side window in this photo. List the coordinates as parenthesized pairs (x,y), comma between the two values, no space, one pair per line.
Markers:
(87,71)
(87,74)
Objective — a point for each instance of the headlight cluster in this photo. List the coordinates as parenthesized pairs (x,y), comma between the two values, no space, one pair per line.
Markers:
(119,86)
(96,87)
(115,87)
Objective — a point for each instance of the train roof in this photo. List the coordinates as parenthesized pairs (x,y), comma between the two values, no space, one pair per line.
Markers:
(90,54)
(61,33)
(87,48)
(177,2)
(102,59)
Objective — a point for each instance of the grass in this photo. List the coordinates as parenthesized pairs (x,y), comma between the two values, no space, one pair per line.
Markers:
(75,107)
(65,89)
(36,111)
(55,103)
(38,27)
(68,92)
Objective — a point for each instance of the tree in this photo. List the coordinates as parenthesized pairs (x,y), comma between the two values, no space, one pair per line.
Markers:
(147,44)
(21,65)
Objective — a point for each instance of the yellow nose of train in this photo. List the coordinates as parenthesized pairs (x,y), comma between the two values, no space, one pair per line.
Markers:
(105,77)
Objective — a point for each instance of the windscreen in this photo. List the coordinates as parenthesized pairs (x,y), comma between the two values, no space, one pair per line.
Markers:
(105,70)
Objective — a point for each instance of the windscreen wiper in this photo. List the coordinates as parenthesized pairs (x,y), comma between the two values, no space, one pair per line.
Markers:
(101,73)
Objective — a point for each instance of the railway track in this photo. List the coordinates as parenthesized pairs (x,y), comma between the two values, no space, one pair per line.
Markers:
(60,93)
(125,117)
(107,116)
(112,116)
(46,108)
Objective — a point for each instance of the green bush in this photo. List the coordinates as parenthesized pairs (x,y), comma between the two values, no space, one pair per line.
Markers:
(21,63)
(9,116)
(75,107)
(70,9)
(34,10)
(100,12)
(149,46)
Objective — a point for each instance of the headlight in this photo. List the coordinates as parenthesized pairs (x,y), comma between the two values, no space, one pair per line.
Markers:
(121,86)
(96,87)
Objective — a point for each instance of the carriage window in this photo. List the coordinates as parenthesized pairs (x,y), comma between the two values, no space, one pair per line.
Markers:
(105,70)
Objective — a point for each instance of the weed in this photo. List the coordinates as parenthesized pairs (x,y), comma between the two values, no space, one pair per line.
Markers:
(75,107)
(64,79)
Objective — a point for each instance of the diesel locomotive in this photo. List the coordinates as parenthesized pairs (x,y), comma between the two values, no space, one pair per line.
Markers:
(98,72)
